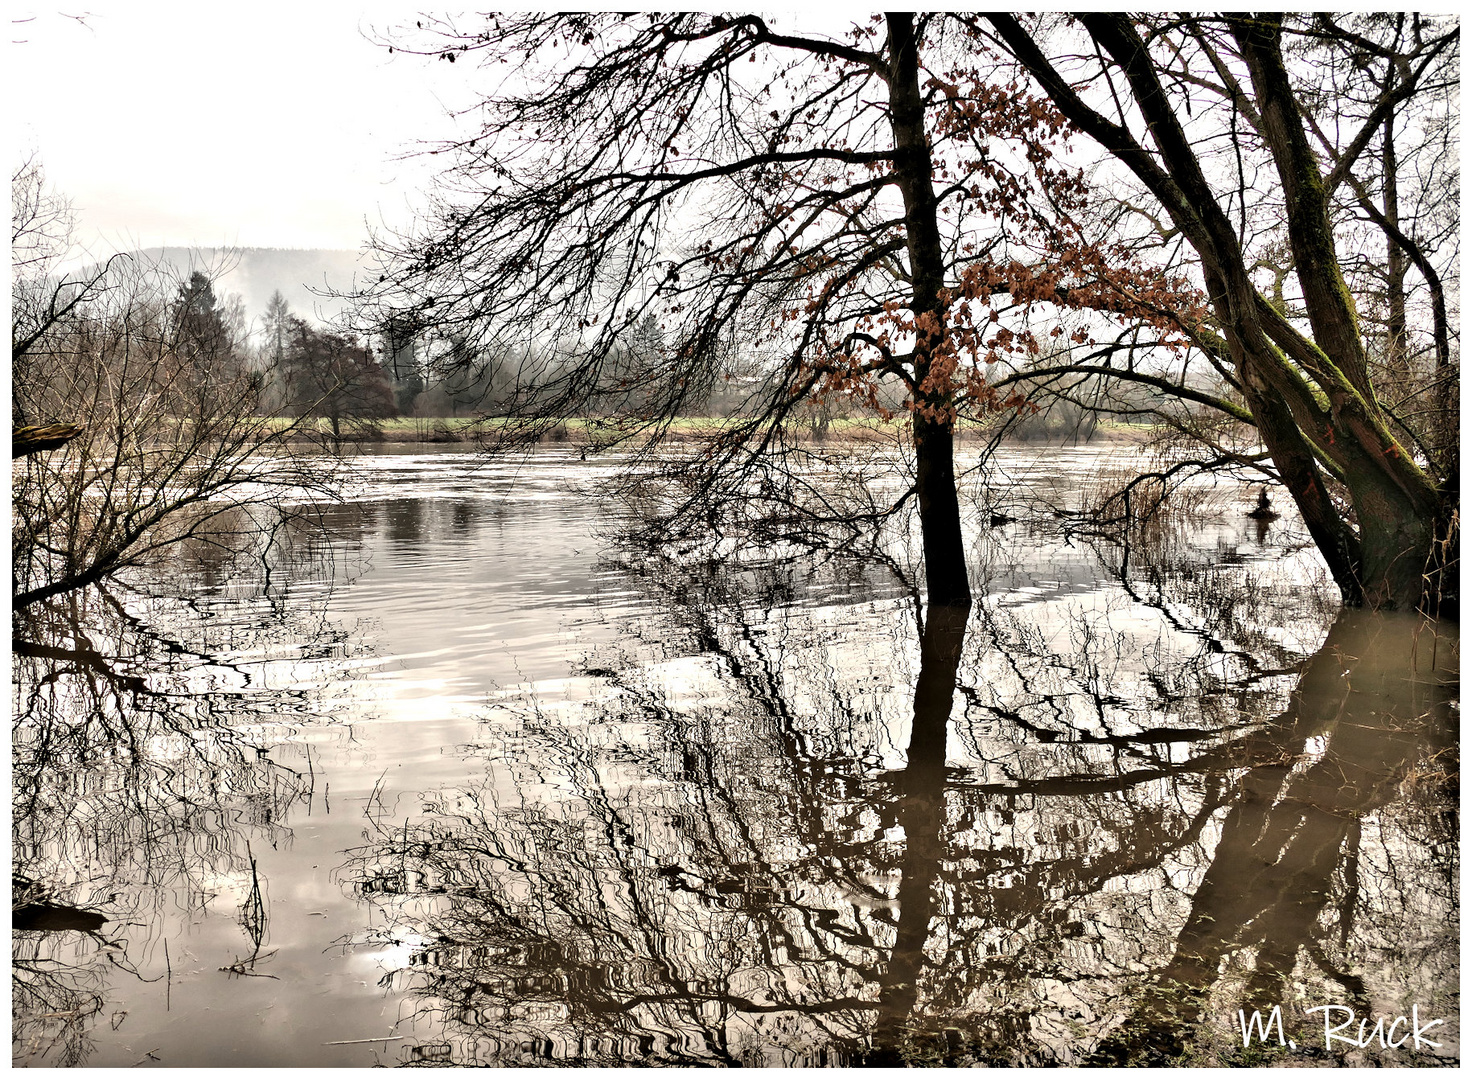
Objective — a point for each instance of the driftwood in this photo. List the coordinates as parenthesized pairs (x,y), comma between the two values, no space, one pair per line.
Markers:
(35,438)
(32,909)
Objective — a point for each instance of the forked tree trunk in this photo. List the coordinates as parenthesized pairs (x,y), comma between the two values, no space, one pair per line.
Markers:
(1406,535)
(1310,394)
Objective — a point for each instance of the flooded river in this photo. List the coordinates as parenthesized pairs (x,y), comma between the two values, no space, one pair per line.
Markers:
(470,784)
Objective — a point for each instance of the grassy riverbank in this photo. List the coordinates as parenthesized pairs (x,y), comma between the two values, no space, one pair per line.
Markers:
(415,429)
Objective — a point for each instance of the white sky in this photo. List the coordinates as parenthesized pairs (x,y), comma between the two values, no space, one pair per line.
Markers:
(225,125)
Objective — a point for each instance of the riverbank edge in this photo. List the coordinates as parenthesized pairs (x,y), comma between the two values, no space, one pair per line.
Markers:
(469,432)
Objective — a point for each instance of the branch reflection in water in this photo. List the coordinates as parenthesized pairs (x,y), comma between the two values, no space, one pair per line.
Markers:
(762,845)
(142,749)
(777,813)
(1307,863)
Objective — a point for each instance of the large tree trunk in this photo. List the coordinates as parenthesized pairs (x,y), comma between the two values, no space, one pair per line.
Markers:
(946,581)
(1403,540)
(1408,555)
(1294,458)
(1310,394)
(940,512)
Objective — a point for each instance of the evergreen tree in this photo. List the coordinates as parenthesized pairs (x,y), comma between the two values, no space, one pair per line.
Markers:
(276,331)
(205,341)
(276,324)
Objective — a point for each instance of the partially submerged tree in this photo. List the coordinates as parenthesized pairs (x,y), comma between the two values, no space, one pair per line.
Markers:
(1274,156)
(842,208)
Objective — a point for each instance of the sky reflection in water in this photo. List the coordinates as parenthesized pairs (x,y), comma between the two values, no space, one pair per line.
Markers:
(476,784)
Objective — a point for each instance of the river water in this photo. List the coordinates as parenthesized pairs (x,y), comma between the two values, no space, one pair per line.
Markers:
(471,784)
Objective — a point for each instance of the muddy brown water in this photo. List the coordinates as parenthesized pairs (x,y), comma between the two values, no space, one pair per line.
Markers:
(471,785)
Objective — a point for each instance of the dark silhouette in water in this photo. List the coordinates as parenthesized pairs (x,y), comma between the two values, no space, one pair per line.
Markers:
(54,917)
(920,810)
(1264,510)
(1379,695)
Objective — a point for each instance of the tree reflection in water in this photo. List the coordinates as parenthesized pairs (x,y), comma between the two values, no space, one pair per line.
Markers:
(141,773)
(762,844)
(1304,859)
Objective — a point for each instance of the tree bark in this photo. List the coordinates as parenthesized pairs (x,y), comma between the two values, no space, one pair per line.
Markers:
(1403,537)
(1300,473)
(1311,397)
(1395,263)
(946,580)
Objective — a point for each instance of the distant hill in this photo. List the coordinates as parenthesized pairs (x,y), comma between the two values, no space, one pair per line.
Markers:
(302,274)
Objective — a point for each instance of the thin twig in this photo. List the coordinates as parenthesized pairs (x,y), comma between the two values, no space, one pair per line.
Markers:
(352,1042)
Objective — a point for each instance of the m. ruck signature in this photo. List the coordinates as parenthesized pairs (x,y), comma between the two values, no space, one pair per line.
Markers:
(1391,1034)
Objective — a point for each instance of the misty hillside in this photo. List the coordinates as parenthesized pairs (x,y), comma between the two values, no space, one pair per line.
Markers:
(303,275)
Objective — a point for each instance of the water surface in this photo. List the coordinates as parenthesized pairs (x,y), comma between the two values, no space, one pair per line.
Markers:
(474,785)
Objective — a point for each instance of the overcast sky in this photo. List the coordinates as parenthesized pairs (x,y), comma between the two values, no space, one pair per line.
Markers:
(223,125)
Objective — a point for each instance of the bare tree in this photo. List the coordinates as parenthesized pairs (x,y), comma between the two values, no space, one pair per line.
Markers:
(733,872)
(119,753)
(170,448)
(40,220)
(333,376)
(842,209)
